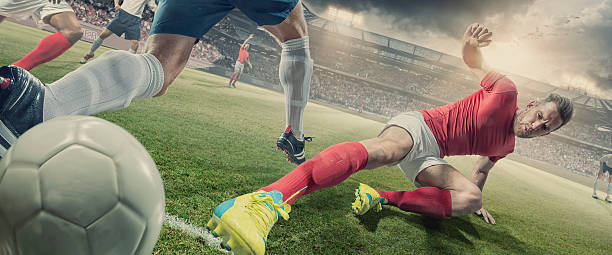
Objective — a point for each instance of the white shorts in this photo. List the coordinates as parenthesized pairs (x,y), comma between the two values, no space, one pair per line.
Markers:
(425,151)
(238,67)
(38,9)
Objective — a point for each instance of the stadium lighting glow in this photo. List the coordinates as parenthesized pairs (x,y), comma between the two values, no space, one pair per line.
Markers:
(344,16)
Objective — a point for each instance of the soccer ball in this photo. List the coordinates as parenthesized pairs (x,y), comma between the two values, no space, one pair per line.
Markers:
(79,185)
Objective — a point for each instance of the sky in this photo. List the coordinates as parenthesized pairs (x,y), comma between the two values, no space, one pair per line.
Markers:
(567,43)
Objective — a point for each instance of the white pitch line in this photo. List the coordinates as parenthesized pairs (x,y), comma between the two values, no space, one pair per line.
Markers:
(195,231)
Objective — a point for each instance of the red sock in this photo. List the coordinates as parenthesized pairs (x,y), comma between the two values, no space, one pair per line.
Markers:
(328,168)
(430,201)
(48,49)
(231,79)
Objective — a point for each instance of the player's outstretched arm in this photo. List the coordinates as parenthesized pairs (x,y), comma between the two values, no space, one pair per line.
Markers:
(247,40)
(479,177)
(476,36)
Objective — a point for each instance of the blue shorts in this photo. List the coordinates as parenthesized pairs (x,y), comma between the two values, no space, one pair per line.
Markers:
(605,168)
(125,23)
(194,18)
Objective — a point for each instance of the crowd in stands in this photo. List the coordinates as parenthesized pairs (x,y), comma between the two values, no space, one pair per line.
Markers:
(92,12)
(363,82)
(360,95)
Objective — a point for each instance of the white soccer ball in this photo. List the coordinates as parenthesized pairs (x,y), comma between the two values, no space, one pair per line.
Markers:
(79,185)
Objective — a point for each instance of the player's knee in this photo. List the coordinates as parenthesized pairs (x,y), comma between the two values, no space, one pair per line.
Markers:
(73,34)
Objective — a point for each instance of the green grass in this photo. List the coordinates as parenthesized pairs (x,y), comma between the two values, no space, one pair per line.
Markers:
(212,143)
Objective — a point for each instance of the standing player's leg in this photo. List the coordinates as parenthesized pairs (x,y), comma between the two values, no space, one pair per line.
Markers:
(600,176)
(295,72)
(237,76)
(96,44)
(609,191)
(2,18)
(62,18)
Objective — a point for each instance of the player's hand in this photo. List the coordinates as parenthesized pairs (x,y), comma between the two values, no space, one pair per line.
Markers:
(117,7)
(477,35)
(55,1)
(488,218)
(251,36)
(154,9)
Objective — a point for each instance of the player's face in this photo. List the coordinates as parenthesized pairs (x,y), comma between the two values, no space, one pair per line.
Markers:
(537,120)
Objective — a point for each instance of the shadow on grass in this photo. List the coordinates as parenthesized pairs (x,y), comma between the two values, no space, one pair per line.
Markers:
(457,234)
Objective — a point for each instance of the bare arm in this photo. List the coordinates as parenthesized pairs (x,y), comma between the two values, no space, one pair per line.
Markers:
(481,171)
(247,40)
(117,6)
(476,36)
(479,177)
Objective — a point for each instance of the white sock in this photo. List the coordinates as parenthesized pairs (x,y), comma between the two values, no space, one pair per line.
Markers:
(107,83)
(96,44)
(295,72)
(609,188)
(595,185)
(132,51)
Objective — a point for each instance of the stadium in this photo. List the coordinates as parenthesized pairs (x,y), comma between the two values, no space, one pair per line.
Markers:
(211,143)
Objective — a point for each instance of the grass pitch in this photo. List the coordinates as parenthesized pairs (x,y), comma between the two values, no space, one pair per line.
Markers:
(212,143)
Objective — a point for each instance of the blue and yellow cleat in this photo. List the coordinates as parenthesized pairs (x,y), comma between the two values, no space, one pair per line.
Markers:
(245,221)
(367,198)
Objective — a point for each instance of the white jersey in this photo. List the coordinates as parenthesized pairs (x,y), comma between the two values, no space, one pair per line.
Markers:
(38,9)
(136,7)
(607,159)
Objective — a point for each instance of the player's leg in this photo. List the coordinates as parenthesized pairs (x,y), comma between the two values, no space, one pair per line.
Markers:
(237,76)
(62,18)
(116,77)
(2,18)
(295,70)
(96,44)
(609,191)
(132,31)
(113,80)
(238,225)
(600,176)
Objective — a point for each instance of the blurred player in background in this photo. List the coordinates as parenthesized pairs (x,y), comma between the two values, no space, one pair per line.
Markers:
(117,77)
(606,167)
(126,21)
(59,15)
(243,57)
(484,123)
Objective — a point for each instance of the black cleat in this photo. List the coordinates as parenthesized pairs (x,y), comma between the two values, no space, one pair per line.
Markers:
(293,147)
(21,102)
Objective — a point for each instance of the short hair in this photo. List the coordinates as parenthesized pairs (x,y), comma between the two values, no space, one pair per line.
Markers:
(564,106)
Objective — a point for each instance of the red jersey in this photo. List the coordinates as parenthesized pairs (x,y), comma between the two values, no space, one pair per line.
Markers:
(243,55)
(480,124)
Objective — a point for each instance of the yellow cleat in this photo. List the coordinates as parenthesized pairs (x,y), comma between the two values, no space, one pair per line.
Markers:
(367,198)
(245,221)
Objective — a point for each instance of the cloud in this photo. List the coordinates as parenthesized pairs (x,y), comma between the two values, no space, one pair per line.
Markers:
(447,17)
(541,39)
